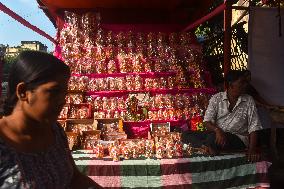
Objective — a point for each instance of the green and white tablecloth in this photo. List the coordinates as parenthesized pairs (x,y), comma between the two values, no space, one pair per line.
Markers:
(226,171)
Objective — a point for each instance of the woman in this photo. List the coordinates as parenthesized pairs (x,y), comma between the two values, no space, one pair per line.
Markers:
(33,147)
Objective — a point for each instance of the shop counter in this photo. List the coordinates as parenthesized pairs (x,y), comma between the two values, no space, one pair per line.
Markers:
(217,172)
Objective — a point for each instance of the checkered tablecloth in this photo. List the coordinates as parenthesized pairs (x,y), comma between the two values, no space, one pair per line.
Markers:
(226,171)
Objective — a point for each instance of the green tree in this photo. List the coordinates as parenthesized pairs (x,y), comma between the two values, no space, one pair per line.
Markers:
(8,61)
(212,35)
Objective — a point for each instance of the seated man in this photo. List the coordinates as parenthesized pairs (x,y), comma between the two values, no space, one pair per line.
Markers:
(231,119)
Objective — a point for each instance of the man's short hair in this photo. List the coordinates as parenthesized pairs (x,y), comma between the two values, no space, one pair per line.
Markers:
(233,75)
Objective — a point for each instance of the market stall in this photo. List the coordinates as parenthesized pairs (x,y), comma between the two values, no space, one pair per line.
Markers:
(136,83)
(131,71)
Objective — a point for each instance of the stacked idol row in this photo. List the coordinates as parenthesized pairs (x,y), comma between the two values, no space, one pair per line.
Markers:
(86,135)
(86,48)
(129,83)
(156,107)
(160,144)
(83,32)
(82,38)
(136,77)
(124,63)
(158,101)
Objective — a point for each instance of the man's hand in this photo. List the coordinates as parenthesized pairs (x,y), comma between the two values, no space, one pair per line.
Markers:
(253,155)
(220,137)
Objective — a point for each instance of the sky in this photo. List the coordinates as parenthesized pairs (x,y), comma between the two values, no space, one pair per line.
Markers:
(12,32)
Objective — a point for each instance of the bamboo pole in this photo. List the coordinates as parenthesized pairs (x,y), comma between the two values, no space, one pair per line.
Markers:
(227,37)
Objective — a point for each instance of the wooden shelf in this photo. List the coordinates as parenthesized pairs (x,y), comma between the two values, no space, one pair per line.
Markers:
(141,74)
(153,91)
(75,91)
(107,120)
(156,121)
(80,121)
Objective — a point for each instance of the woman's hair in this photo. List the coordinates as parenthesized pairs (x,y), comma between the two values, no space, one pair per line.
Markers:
(34,68)
(233,75)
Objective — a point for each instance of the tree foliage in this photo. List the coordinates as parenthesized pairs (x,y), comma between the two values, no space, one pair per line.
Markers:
(8,61)
(212,33)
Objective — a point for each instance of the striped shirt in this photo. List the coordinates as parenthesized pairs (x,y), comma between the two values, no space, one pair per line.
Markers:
(241,121)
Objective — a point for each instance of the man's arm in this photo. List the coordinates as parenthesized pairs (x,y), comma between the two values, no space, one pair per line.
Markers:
(219,133)
(210,126)
(253,126)
(210,118)
(253,154)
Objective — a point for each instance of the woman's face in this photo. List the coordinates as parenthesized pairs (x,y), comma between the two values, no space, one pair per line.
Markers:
(47,100)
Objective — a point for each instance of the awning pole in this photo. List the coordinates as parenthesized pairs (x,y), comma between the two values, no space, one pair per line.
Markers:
(18,18)
(205,18)
(227,37)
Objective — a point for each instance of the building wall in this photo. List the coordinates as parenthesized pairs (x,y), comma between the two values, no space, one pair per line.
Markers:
(12,51)
(30,45)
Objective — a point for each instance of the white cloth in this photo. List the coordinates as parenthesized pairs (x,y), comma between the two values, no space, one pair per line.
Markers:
(266,53)
(241,121)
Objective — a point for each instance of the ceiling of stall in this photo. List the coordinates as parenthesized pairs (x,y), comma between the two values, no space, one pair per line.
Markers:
(181,12)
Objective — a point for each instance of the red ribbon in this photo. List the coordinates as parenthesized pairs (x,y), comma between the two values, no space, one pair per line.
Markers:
(25,23)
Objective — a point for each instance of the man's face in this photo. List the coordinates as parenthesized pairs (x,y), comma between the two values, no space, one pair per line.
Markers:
(239,86)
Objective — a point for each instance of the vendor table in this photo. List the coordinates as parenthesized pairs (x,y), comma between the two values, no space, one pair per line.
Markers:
(224,171)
